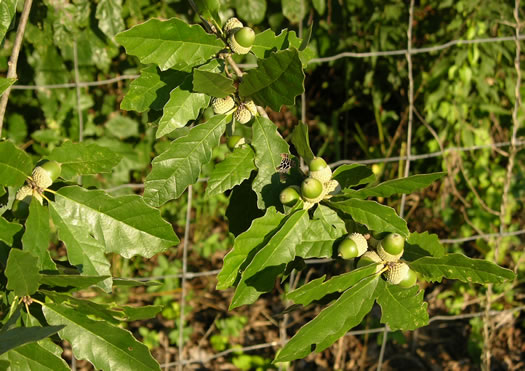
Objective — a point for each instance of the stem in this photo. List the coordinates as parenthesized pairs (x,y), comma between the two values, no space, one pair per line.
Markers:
(13,60)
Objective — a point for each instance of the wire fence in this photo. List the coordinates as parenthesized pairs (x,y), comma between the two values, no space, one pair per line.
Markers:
(514,144)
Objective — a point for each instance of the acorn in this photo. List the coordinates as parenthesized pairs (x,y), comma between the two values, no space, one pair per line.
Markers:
(320,170)
(391,248)
(222,105)
(370,257)
(290,195)
(251,107)
(235,141)
(241,40)
(45,174)
(400,274)
(348,249)
(312,190)
(242,114)
(360,241)
(232,25)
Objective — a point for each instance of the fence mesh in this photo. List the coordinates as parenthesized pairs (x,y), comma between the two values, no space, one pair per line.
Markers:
(514,145)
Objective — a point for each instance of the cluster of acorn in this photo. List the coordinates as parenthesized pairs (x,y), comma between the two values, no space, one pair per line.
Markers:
(42,177)
(244,111)
(317,187)
(387,253)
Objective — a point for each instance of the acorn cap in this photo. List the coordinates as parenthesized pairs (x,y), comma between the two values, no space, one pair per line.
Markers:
(251,107)
(397,272)
(24,194)
(360,241)
(386,256)
(232,25)
(242,114)
(235,141)
(370,257)
(222,105)
(332,188)
(41,177)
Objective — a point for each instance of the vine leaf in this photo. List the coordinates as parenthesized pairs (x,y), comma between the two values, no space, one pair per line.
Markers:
(212,83)
(397,186)
(99,342)
(353,175)
(126,225)
(15,165)
(151,89)
(268,145)
(374,215)
(83,251)
(34,356)
(460,267)
(321,233)
(423,244)
(13,338)
(184,105)
(36,237)
(236,167)
(401,308)
(22,272)
(319,288)
(180,165)
(84,159)
(8,230)
(276,81)
(301,142)
(171,43)
(246,245)
(5,83)
(333,322)
(259,276)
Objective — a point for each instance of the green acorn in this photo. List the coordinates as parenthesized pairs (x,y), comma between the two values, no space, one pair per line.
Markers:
(348,249)
(235,141)
(251,107)
(232,25)
(360,242)
(241,41)
(400,274)
(320,170)
(45,174)
(290,195)
(370,257)
(242,115)
(222,105)
(391,248)
(312,190)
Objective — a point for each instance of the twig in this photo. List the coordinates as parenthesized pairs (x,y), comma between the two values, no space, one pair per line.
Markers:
(13,60)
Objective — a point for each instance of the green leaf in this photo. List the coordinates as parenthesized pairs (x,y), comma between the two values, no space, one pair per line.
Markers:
(109,15)
(70,280)
(233,170)
(214,84)
(8,230)
(319,288)
(268,145)
(171,43)
(5,83)
(209,9)
(270,261)
(129,282)
(401,308)
(15,165)
(333,322)
(180,165)
(266,43)
(294,10)
(126,225)
(319,6)
(183,106)
(140,313)
(84,159)
(375,216)
(22,335)
(460,267)
(321,233)
(152,89)
(122,127)
(104,345)
(398,186)
(353,175)
(276,81)
(83,251)
(36,237)
(251,11)
(423,244)
(242,207)
(301,142)
(34,356)
(7,12)
(246,245)
(22,272)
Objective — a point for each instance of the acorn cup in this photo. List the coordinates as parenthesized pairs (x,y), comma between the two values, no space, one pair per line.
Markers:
(400,274)
(241,40)
(391,248)
(235,141)
(242,115)
(222,105)
(370,257)
(45,174)
(232,25)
